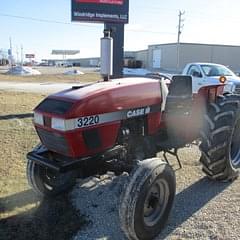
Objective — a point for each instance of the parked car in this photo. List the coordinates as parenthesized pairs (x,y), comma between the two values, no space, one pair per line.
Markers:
(205,73)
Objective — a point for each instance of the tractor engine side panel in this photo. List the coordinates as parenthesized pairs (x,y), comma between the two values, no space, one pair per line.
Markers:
(153,122)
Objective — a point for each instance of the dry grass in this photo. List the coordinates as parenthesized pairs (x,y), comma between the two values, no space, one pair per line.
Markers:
(22,214)
(203,209)
(55,78)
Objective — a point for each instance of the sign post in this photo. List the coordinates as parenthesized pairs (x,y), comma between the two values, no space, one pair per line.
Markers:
(117,33)
(114,14)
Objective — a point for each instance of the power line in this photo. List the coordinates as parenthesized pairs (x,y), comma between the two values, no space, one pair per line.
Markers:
(45,20)
(75,24)
(191,14)
(157,8)
(149,31)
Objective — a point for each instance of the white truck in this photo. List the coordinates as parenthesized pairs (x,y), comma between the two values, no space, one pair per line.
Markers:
(205,73)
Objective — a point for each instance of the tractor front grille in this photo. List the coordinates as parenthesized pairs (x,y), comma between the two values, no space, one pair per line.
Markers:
(53,141)
(237,89)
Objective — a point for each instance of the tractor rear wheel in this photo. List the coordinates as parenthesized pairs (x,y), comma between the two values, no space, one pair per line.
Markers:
(147,199)
(220,145)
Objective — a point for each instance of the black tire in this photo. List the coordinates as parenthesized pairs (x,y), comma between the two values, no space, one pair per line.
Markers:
(48,183)
(147,199)
(220,137)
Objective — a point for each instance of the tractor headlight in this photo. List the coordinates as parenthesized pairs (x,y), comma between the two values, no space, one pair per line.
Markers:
(58,124)
(63,124)
(38,118)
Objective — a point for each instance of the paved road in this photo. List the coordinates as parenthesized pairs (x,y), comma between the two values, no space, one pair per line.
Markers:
(56,70)
(36,87)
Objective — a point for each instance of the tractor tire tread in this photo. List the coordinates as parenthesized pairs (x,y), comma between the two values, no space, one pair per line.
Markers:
(215,136)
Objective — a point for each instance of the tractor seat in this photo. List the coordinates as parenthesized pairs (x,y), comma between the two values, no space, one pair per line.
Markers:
(180,94)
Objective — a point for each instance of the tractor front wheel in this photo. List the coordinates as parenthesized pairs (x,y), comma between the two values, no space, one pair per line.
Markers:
(147,199)
(220,145)
(46,182)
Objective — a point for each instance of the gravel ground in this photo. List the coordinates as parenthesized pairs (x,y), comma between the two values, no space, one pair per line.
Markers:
(203,209)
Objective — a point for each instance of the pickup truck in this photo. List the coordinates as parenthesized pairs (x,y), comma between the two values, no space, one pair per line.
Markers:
(205,73)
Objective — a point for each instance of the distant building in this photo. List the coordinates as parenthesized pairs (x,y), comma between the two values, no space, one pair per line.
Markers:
(81,62)
(164,56)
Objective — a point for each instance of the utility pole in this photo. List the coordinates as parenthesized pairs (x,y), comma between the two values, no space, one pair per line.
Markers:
(10,52)
(180,28)
(21,55)
(17,54)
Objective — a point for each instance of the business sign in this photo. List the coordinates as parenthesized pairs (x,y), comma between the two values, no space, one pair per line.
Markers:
(65,52)
(29,56)
(107,11)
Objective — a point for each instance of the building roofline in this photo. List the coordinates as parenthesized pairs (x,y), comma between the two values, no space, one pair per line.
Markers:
(70,59)
(135,51)
(186,43)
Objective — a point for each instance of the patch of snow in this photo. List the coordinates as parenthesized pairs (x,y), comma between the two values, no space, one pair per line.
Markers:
(23,71)
(73,72)
(135,71)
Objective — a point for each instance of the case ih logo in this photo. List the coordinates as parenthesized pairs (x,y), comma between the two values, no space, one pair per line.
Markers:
(114,2)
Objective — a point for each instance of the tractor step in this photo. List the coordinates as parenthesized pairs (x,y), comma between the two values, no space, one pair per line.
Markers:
(174,153)
(171,147)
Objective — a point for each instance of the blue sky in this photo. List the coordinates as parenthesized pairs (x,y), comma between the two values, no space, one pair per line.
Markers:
(151,22)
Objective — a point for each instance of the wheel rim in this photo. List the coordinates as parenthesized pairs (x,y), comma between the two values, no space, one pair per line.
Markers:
(235,146)
(156,202)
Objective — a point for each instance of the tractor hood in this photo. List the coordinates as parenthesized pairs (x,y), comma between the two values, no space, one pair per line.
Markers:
(102,97)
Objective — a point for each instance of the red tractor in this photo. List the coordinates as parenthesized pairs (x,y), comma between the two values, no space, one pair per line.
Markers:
(120,126)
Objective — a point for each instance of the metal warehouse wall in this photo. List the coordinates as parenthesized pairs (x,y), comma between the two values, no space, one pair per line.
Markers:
(194,53)
(191,52)
(168,57)
(226,55)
